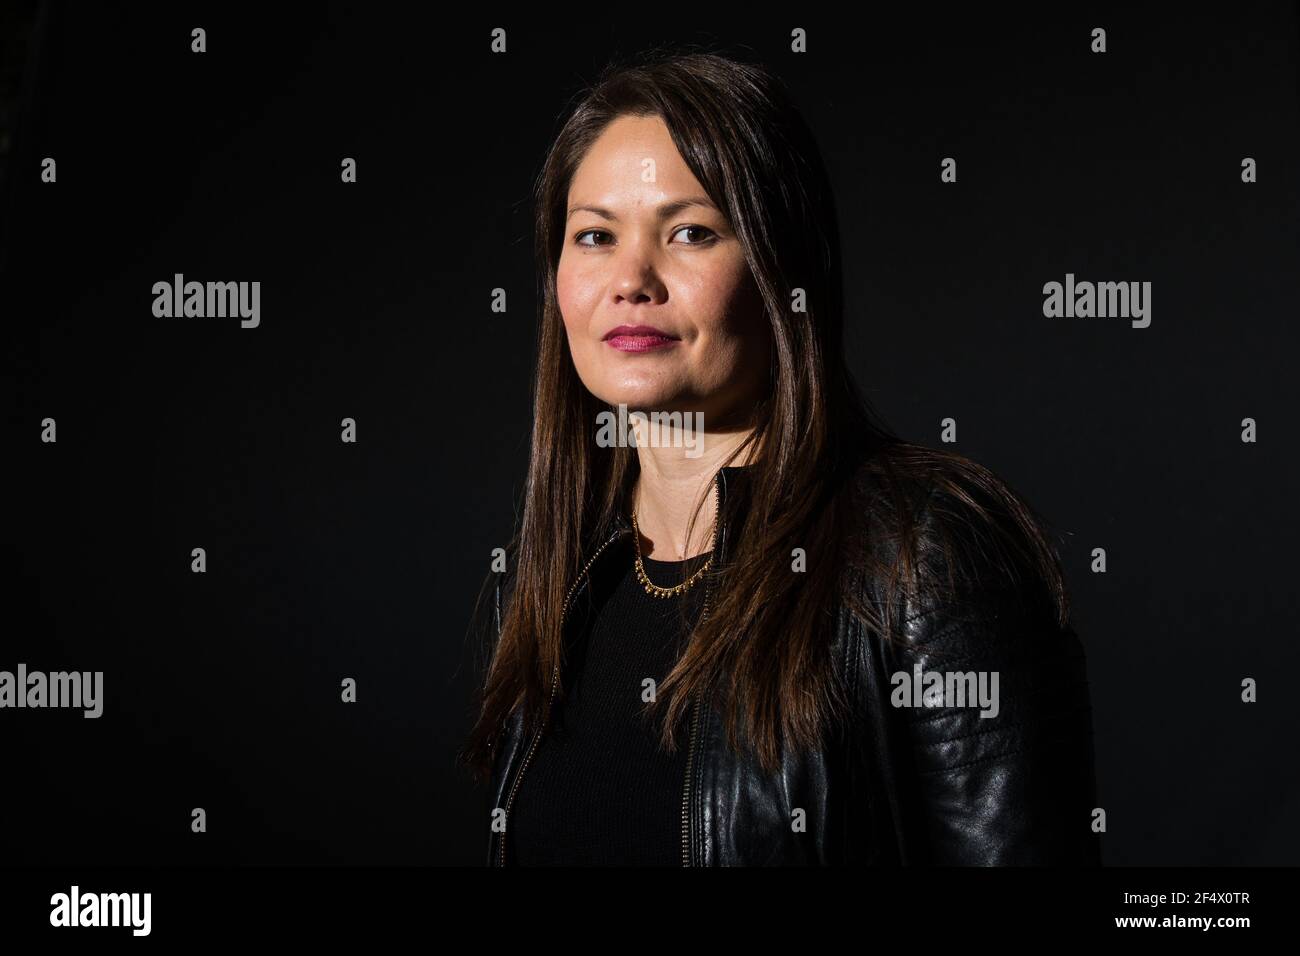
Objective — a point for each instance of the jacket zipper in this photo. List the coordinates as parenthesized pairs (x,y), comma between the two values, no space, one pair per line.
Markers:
(555,676)
(695,718)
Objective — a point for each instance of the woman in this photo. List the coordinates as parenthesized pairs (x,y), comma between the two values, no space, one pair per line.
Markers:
(772,632)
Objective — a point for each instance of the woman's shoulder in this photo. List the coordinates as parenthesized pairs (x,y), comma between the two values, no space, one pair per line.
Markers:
(948,530)
(985,684)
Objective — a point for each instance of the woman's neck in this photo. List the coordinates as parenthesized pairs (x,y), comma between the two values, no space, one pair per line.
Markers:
(672,486)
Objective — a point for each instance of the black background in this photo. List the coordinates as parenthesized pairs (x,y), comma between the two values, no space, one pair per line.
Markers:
(329,560)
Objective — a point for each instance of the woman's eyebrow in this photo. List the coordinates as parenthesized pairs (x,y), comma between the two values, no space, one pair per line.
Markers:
(665,210)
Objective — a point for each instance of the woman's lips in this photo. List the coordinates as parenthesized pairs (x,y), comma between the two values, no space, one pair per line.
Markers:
(640,343)
(639,338)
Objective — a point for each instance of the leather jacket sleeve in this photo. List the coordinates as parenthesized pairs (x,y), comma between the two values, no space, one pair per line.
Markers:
(1008,777)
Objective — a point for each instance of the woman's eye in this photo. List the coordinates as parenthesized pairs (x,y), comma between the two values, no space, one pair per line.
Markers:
(704,229)
(589,232)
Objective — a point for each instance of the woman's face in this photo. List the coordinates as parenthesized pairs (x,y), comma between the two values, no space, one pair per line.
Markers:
(645,251)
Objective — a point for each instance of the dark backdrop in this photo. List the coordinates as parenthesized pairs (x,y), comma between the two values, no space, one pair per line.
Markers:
(329,560)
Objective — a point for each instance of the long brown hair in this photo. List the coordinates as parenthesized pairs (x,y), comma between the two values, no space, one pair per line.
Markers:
(763,645)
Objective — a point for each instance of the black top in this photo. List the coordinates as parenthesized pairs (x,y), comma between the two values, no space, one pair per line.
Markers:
(598,790)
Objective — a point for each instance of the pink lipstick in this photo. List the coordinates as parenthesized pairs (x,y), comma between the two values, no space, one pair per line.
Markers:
(639,338)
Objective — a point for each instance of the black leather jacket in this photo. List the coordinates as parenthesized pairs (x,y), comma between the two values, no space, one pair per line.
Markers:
(901,786)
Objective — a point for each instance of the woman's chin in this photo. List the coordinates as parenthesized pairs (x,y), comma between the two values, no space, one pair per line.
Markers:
(649,399)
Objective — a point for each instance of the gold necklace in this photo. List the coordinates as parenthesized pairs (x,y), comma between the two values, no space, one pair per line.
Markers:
(650,587)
